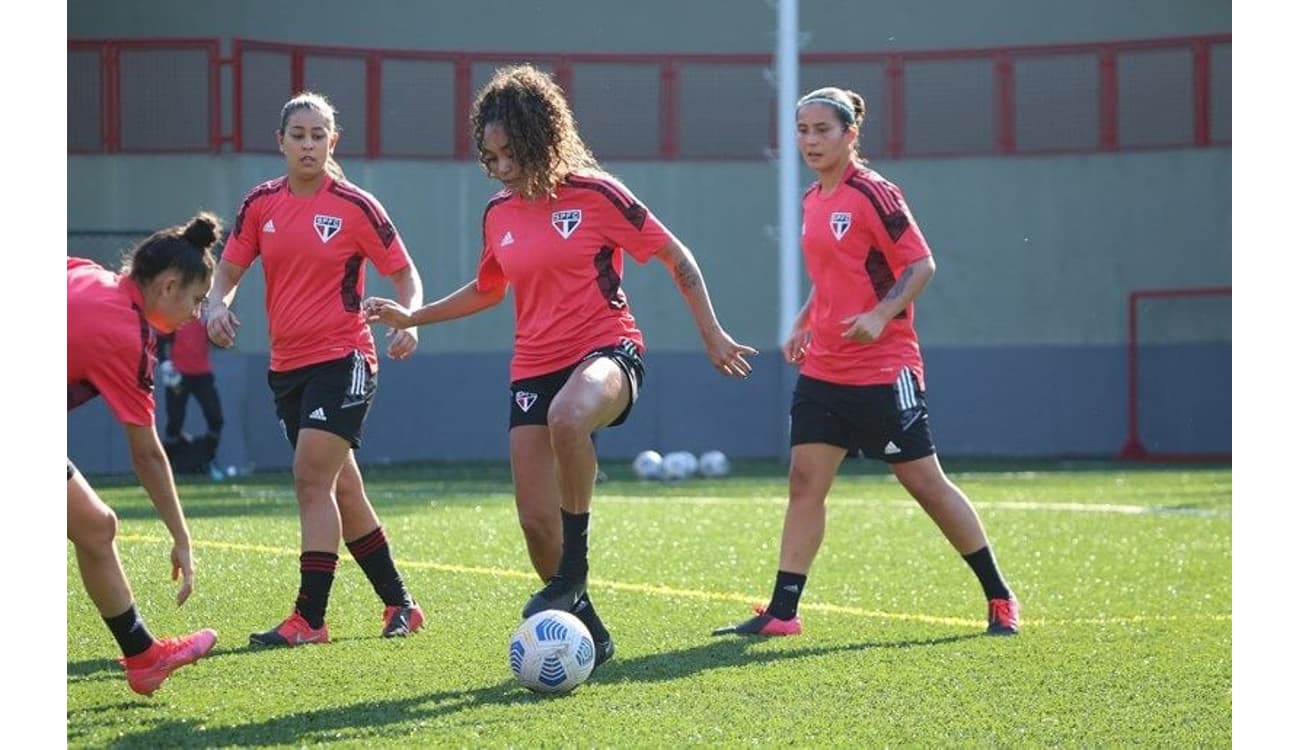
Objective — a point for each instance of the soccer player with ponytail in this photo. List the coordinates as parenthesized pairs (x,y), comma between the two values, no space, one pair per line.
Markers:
(861,386)
(111,353)
(314,231)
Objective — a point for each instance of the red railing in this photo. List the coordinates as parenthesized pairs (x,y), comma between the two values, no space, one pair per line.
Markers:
(1134,448)
(197,110)
(1045,99)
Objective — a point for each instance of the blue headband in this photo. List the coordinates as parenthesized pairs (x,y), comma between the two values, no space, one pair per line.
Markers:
(843,108)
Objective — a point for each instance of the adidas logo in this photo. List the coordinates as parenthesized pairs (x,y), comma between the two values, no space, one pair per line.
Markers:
(509,239)
(891,449)
(319,413)
(269,227)
(792,588)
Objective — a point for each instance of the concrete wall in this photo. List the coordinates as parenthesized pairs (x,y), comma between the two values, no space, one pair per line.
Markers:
(661,26)
(1024,326)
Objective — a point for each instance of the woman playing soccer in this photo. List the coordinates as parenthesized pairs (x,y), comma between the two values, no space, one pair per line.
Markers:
(314,231)
(557,233)
(861,387)
(111,352)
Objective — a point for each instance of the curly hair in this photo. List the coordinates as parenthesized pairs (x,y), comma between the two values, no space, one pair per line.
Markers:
(539,125)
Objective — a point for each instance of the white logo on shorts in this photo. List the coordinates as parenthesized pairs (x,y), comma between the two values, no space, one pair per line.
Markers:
(319,413)
(891,449)
(525,400)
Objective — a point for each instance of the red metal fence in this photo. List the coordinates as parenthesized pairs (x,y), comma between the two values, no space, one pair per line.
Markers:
(150,96)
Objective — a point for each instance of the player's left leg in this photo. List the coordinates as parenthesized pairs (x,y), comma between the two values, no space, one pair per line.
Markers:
(952,511)
(366,540)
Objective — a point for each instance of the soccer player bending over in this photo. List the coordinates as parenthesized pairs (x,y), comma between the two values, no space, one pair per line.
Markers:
(111,352)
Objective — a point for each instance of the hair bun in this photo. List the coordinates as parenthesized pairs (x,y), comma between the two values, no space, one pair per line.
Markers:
(203,231)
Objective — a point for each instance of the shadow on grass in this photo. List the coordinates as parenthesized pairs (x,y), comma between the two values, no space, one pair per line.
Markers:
(730,651)
(372,717)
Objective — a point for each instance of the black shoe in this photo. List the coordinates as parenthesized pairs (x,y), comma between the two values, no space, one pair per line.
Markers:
(604,652)
(560,593)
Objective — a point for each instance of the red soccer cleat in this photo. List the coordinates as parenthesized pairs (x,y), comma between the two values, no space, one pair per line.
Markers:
(292,632)
(1004,616)
(145,672)
(763,624)
(401,621)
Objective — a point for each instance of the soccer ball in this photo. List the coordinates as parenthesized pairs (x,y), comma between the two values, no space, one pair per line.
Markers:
(648,465)
(680,465)
(714,464)
(552,652)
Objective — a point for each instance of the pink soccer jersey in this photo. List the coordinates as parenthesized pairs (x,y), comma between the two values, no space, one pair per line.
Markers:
(190,349)
(564,257)
(110,345)
(857,239)
(314,250)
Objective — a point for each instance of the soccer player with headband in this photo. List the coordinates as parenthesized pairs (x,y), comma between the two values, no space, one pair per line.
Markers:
(861,385)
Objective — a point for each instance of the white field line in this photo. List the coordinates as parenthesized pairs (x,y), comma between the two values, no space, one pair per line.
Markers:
(1063,506)
(676,593)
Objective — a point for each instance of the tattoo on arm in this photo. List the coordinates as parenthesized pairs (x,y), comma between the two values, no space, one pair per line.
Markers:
(896,290)
(686,275)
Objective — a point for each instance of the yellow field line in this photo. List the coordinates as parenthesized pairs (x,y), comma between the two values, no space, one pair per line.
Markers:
(668,591)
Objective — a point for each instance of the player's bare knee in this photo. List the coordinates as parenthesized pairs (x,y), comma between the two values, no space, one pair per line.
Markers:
(311,487)
(568,425)
(98,531)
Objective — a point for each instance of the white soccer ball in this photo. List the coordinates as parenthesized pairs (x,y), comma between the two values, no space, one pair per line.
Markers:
(552,652)
(714,464)
(648,465)
(680,465)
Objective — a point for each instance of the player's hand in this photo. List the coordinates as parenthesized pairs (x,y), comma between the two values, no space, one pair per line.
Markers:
(222,325)
(168,375)
(380,310)
(729,356)
(402,342)
(183,567)
(796,346)
(863,328)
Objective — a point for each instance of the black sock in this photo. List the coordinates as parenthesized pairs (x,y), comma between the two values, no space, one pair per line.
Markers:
(986,569)
(376,560)
(785,595)
(317,569)
(573,560)
(586,612)
(129,630)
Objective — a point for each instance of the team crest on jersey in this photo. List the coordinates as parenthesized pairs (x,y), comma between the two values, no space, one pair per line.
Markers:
(327,226)
(566,221)
(840,223)
(525,400)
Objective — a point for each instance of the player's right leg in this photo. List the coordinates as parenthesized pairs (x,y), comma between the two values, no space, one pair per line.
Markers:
(92,529)
(812,472)
(537,501)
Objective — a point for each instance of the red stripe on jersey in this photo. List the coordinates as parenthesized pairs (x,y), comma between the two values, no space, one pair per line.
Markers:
(887,206)
(374,214)
(265,188)
(634,212)
(496,200)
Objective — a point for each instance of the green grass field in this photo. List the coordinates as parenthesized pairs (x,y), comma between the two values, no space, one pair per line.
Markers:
(1124,576)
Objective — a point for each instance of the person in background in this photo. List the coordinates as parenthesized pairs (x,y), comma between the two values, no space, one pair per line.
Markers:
(314,231)
(185,370)
(111,352)
(861,386)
